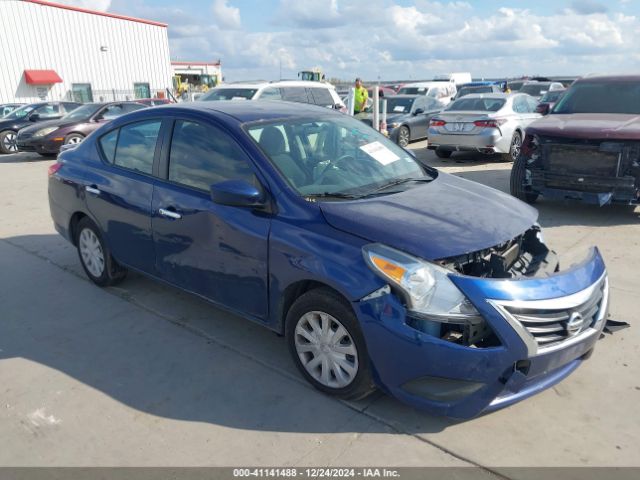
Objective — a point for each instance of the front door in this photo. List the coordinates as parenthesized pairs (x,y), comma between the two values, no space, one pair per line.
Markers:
(214,250)
(119,194)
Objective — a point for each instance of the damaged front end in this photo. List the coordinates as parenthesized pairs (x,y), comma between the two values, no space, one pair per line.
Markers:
(593,171)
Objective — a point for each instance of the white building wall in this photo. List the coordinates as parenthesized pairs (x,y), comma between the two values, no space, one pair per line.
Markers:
(41,37)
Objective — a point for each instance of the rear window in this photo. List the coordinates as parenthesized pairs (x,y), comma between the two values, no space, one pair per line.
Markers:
(470,90)
(228,94)
(598,97)
(413,91)
(477,105)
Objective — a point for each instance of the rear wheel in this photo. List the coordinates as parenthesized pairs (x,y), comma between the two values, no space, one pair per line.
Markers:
(95,257)
(403,136)
(8,142)
(514,149)
(440,153)
(327,345)
(518,177)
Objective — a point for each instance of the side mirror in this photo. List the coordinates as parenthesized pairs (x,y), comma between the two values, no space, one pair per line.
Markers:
(418,111)
(34,117)
(543,108)
(237,193)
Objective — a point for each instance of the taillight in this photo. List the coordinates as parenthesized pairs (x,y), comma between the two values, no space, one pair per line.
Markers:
(489,123)
(53,169)
(437,123)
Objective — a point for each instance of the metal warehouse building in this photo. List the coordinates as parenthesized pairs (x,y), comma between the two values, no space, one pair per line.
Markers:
(50,51)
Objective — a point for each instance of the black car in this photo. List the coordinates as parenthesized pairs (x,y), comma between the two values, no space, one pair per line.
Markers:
(27,115)
(408,117)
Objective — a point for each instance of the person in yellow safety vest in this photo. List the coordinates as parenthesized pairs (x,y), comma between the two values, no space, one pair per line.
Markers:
(361,97)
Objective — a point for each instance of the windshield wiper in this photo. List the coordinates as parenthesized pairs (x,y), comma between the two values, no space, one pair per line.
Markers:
(399,181)
(331,195)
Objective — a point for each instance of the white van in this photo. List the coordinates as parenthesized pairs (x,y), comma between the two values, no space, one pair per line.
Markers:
(442,91)
(457,78)
(317,93)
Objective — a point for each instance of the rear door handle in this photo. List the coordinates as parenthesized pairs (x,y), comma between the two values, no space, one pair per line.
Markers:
(169,214)
(93,190)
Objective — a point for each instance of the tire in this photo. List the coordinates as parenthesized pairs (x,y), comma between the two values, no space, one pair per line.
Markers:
(8,142)
(95,257)
(440,153)
(516,182)
(404,136)
(349,377)
(514,148)
(73,138)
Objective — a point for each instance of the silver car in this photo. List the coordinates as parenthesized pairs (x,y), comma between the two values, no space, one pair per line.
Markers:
(486,123)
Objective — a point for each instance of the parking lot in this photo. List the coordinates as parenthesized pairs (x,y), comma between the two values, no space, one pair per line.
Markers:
(142,374)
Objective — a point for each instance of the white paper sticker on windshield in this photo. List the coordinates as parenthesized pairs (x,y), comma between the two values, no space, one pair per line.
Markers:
(238,98)
(398,108)
(380,153)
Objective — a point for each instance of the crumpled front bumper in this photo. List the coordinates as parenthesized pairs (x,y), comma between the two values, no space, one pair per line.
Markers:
(423,370)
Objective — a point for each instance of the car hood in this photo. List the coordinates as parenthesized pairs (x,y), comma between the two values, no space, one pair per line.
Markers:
(447,217)
(588,126)
(49,123)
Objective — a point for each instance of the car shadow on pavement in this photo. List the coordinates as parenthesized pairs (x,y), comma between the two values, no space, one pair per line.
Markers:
(167,353)
(24,158)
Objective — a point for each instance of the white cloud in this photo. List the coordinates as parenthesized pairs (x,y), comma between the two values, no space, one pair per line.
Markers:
(226,16)
(101,5)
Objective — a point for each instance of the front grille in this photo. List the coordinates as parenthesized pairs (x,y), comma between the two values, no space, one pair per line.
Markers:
(550,327)
(583,160)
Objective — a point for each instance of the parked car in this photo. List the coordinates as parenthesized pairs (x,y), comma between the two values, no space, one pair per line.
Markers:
(153,102)
(7,108)
(442,91)
(538,89)
(316,93)
(548,100)
(384,92)
(587,148)
(46,138)
(28,115)
(486,123)
(516,85)
(470,89)
(379,271)
(408,117)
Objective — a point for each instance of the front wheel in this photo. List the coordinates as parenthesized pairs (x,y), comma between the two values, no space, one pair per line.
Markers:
(517,180)
(403,136)
(8,142)
(73,139)
(327,345)
(95,257)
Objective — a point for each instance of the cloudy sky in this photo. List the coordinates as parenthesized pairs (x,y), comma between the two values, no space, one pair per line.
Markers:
(401,39)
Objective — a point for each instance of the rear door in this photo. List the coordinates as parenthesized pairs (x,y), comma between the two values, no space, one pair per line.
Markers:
(119,195)
(214,250)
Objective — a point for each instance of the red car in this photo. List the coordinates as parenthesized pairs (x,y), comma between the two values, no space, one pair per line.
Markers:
(46,138)
(587,148)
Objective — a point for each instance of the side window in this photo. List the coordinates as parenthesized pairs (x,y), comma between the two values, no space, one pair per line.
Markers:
(295,94)
(520,105)
(202,155)
(48,111)
(132,107)
(108,144)
(532,104)
(111,112)
(322,97)
(70,107)
(271,93)
(136,146)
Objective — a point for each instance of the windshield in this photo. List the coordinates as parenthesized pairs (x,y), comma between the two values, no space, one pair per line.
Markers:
(534,89)
(228,94)
(21,112)
(334,155)
(399,105)
(596,97)
(85,111)
(476,105)
(413,91)
(551,96)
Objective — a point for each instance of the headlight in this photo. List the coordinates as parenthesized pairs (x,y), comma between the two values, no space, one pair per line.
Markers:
(393,125)
(426,287)
(45,131)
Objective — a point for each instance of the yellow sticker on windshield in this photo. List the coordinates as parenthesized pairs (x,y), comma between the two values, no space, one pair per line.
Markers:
(379,152)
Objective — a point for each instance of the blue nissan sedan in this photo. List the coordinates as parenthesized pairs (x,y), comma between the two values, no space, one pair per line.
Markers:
(379,271)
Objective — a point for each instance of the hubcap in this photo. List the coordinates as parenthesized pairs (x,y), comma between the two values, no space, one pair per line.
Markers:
(91,252)
(9,142)
(404,137)
(515,147)
(326,350)
(74,140)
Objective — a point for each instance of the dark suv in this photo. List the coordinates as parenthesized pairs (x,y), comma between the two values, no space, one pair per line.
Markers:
(588,148)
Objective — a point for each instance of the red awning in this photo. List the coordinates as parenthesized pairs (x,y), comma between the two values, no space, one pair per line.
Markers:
(41,77)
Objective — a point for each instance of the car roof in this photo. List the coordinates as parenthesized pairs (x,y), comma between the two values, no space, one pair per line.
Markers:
(244,111)
(424,84)
(609,78)
(494,95)
(278,83)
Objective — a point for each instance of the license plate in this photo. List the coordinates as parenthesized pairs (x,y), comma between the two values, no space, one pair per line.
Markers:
(455,127)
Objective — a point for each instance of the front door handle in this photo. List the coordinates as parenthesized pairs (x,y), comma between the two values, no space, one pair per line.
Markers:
(169,214)
(93,190)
